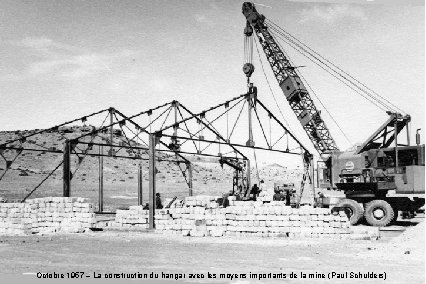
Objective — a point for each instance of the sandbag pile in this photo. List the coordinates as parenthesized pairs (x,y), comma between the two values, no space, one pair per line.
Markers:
(47,215)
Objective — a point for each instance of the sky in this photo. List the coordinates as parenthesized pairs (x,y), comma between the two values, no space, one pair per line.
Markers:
(64,59)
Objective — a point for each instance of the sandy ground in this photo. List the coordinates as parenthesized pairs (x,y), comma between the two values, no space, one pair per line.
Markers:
(144,252)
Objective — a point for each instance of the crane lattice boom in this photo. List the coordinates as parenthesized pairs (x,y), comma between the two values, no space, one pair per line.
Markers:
(291,84)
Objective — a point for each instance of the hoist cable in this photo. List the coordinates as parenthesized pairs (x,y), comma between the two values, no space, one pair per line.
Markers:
(337,67)
(339,79)
(272,92)
(332,72)
(316,96)
(326,67)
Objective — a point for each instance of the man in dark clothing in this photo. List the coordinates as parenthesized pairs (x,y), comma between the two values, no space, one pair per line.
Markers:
(278,196)
(158,203)
(287,197)
(255,191)
(253,89)
(225,200)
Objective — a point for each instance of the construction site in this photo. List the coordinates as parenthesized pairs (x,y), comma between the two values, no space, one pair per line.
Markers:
(253,187)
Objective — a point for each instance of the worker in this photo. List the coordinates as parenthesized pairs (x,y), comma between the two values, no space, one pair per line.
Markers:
(278,196)
(287,197)
(253,90)
(366,174)
(158,203)
(380,174)
(240,189)
(225,199)
(255,190)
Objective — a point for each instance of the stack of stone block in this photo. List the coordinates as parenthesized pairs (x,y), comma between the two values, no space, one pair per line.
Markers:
(201,216)
(134,217)
(15,218)
(47,215)
(273,219)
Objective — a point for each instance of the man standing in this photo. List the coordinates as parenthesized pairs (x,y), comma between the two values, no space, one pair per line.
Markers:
(255,191)
(278,196)
(158,203)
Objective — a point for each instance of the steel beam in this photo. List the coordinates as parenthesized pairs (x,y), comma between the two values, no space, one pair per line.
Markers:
(226,143)
(54,127)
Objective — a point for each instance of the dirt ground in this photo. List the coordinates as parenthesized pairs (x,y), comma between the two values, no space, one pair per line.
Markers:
(144,252)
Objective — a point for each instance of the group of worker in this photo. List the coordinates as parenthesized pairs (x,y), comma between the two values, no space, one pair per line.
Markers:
(280,196)
(254,193)
(158,203)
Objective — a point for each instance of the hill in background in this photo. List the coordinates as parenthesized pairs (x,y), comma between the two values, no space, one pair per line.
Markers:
(120,174)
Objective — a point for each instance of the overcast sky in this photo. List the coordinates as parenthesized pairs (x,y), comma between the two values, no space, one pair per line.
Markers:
(65,59)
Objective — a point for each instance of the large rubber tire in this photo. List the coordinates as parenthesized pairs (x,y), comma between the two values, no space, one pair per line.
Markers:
(395,216)
(379,213)
(354,210)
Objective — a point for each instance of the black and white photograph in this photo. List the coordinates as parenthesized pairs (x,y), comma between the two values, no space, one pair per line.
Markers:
(212,141)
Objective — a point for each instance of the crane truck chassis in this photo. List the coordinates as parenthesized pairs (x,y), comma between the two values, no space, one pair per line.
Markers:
(374,187)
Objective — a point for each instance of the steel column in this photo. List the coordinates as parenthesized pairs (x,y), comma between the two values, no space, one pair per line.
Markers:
(175,107)
(140,202)
(152,171)
(312,181)
(396,144)
(111,129)
(250,141)
(67,169)
(101,179)
(407,127)
(189,167)
(248,177)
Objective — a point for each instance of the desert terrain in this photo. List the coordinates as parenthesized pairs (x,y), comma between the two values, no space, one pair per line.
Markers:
(399,254)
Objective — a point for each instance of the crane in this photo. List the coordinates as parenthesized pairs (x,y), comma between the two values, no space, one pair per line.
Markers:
(377,180)
(288,79)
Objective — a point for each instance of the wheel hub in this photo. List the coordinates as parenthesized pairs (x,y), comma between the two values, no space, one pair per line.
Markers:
(378,213)
(349,212)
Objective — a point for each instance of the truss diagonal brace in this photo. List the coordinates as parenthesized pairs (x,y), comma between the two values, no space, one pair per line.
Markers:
(282,125)
(214,131)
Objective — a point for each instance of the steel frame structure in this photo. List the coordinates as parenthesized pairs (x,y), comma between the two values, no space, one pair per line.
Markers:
(180,123)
